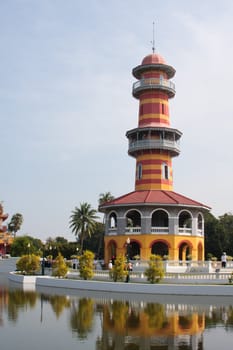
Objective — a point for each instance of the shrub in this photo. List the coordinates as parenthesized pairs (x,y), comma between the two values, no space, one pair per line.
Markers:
(60,268)
(28,264)
(86,265)
(155,271)
(118,271)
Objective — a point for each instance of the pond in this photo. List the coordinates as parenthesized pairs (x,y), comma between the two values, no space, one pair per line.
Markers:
(68,319)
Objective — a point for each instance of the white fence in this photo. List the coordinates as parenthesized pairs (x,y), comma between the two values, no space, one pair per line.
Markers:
(192,272)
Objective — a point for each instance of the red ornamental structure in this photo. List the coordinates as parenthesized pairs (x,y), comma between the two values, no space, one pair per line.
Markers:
(155,218)
(5,237)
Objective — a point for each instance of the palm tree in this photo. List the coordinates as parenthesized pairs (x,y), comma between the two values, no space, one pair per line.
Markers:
(103,198)
(15,223)
(82,222)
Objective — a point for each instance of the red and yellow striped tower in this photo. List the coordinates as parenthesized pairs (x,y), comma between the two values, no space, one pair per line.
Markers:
(154,218)
(153,143)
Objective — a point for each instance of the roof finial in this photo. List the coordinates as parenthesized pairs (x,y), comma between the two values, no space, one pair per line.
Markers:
(153,41)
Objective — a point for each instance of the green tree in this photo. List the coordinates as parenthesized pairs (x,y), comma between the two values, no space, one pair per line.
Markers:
(15,223)
(60,268)
(103,198)
(28,264)
(24,245)
(118,271)
(226,224)
(82,222)
(95,243)
(155,270)
(86,264)
(81,319)
(218,235)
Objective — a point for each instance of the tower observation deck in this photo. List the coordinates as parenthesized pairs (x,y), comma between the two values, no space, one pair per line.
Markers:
(153,143)
(155,219)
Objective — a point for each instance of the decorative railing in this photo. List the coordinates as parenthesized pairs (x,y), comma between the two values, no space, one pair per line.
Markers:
(154,144)
(156,83)
(112,231)
(185,230)
(134,230)
(159,230)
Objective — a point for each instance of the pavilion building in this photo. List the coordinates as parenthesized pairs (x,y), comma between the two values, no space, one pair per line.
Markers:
(6,238)
(153,219)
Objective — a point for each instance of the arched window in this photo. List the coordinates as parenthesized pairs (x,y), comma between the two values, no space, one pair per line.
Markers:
(200,221)
(159,221)
(139,171)
(133,221)
(112,220)
(165,171)
(185,222)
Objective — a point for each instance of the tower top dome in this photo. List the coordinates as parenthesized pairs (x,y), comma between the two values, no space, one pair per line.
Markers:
(153,58)
(153,61)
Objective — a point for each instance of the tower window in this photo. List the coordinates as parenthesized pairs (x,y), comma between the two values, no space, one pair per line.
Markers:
(139,171)
(163,109)
(165,171)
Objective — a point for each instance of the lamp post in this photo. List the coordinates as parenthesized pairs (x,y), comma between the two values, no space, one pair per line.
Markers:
(127,249)
(29,245)
(127,259)
(43,260)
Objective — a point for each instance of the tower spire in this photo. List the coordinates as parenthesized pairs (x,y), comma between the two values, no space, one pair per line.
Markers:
(153,41)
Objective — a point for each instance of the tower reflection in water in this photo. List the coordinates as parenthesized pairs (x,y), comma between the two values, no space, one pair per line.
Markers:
(152,326)
(122,325)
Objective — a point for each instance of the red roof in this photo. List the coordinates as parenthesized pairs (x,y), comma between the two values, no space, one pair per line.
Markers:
(153,58)
(157,197)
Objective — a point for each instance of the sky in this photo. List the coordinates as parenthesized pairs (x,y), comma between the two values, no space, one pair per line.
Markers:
(66,102)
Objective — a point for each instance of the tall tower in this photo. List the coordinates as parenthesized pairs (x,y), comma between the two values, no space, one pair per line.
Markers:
(153,143)
(6,238)
(153,217)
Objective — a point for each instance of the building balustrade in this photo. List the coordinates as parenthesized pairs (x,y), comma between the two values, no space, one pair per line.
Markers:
(154,83)
(134,230)
(185,230)
(154,144)
(159,230)
(200,232)
(113,231)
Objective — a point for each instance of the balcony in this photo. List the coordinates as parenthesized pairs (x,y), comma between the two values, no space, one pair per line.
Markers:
(163,144)
(160,230)
(134,230)
(112,231)
(185,231)
(154,83)
(200,232)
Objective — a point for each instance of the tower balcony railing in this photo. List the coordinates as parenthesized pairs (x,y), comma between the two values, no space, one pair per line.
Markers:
(135,230)
(154,83)
(170,145)
(185,231)
(112,231)
(200,232)
(162,230)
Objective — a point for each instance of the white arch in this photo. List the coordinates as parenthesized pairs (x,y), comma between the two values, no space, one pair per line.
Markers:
(132,209)
(162,209)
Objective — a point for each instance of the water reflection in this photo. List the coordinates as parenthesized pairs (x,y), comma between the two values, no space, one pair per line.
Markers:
(123,324)
(19,301)
(81,317)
